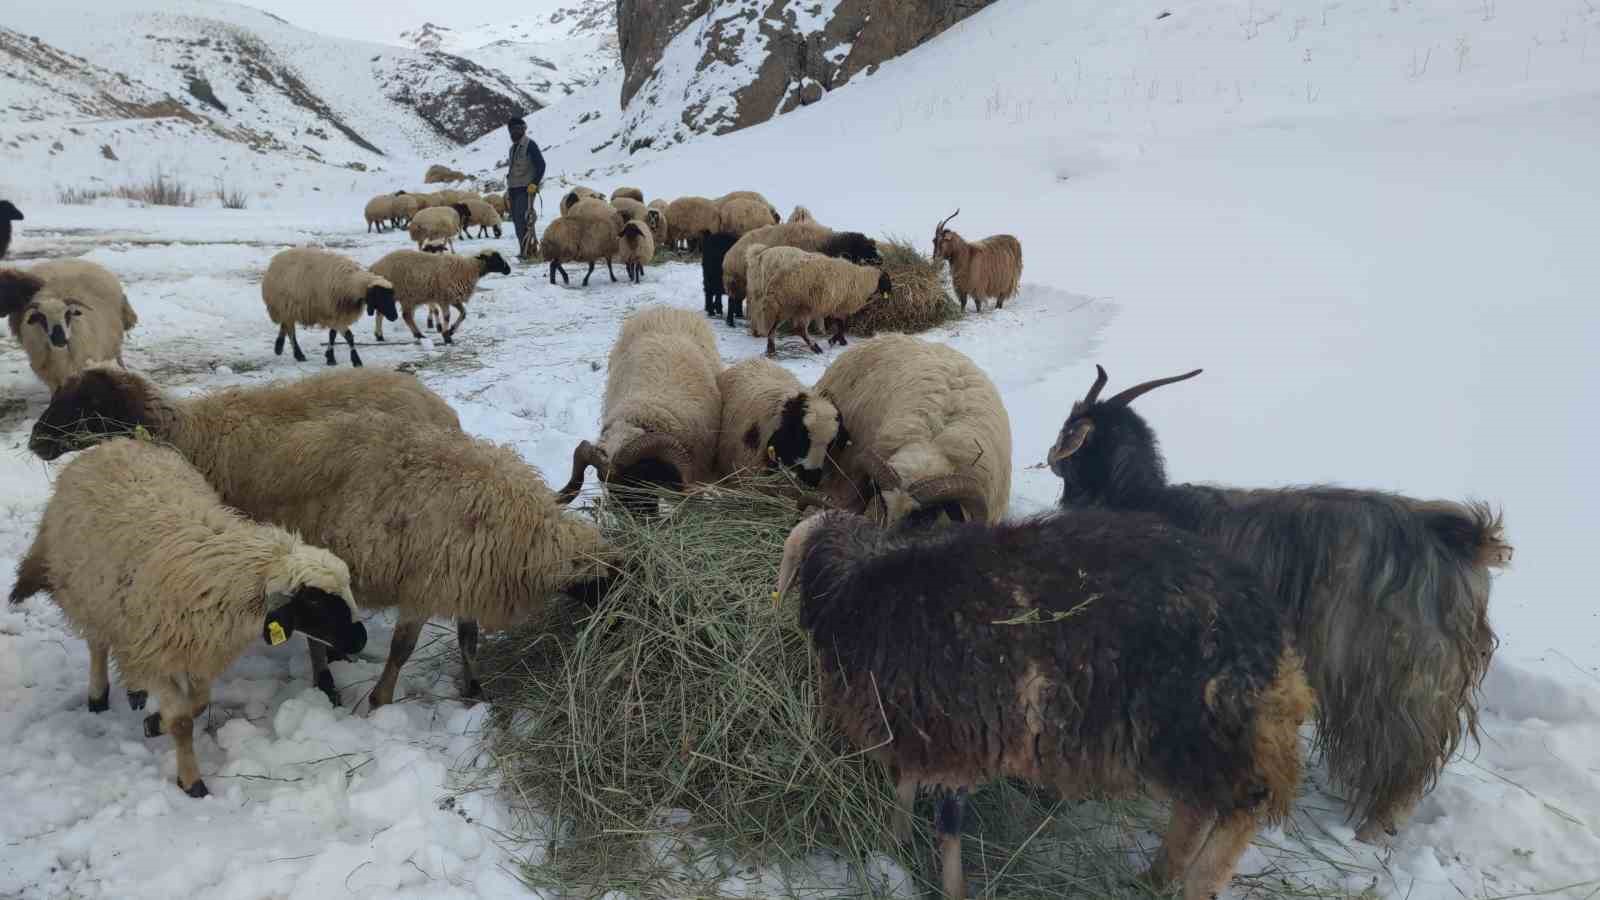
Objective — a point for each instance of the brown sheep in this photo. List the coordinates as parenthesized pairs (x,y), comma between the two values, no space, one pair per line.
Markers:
(692,218)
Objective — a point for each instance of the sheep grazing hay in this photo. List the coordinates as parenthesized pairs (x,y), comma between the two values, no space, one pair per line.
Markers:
(921,298)
(686,690)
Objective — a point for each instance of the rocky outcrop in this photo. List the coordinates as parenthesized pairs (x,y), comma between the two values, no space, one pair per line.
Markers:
(714,66)
(458,98)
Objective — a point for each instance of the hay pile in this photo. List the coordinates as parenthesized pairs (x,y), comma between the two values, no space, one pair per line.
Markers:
(671,737)
(921,299)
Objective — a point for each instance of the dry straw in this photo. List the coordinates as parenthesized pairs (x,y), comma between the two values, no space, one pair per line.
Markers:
(921,298)
(672,737)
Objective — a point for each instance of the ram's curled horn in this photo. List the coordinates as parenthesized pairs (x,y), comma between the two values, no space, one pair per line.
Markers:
(962,488)
(583,456)
(656,446)
(1133,393)
(883,475)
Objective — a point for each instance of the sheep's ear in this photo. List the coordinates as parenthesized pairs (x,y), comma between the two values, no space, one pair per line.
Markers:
(17,288)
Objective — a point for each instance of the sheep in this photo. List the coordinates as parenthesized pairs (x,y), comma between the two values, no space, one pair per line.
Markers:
(484,216)
(692,218)
(637,246)
(990,268)
(770,419)
(631,210)
(658,220)
(402,207)
(579,239)
(762,262)
(573,197)
(498,201)
(661,411)
(755,196)
(437,223)
(153,570)
(219,432)
(801,215)
(714,249)
(8,214)
(1099,654)
(929,433)
(437,174)
(818,286)
(378,212)
(631,193)
(66,314)
(1389,595)
(597,209)
(740,215)
(851,245)
(307,286)
(439,280)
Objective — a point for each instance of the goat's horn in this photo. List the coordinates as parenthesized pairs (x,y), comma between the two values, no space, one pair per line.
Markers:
(948,218)
(1099,382)
(964,488)
(1138,390)
(653,445)
(583,456)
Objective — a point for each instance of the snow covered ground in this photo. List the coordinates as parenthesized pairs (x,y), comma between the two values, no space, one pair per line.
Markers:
(1370,221)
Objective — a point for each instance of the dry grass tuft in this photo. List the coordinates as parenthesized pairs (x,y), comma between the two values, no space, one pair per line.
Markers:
(921,298)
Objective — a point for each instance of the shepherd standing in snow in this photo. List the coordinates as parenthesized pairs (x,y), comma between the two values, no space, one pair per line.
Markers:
(524,172)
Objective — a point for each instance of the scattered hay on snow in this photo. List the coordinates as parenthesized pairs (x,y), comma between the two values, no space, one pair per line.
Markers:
(921,299)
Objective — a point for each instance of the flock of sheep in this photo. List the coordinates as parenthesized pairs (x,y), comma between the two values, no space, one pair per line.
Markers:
(1147,636)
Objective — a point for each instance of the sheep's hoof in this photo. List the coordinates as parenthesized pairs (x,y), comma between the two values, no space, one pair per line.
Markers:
(330,359)
(377,337)
(136,699)
(299,357)
(152,725)
(101,703)
(196,790)
(474,690)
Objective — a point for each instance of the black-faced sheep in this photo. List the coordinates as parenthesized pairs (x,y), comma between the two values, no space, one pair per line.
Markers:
(153,570)
(816,287)
(1099,653)
(662,410)
(986,269)
(402,206)
(769,419)
(740,215)
(851,245)
(307,286)
(637,246)
(629,193)
(436,224)
(8,214)
(930,436)
(379,212)
(440,280)
(1388,595)
(692,218)
(483,216)
(655,215)
(577,195)
(579,239)
(66,314)
(631,210)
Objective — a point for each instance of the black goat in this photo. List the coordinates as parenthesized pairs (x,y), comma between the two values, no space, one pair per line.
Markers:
(713,247)
(1388,595)
(8,214)
(1096,653)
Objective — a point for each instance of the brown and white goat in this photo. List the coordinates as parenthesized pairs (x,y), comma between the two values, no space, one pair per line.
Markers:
(989,269)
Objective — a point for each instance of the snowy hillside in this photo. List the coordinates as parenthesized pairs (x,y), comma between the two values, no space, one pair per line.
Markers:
(1369,221)
(551,50)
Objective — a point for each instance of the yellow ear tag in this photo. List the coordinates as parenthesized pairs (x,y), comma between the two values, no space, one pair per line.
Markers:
(772,453)
(275,634)
(140,433)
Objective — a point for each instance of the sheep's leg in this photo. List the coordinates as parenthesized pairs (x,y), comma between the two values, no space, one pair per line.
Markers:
(377,328)
(772,347)
(350,341)
(410,314)
(467,643)
(449,332)
(1187,831)
(948,823)
(962,297)
(99,682)
(332,337)
(137,698)
(805,335)
(838,334)
(277,345)
(610,271)
(905,795)
(1213,867)
(590,272)
(564,279)
(400,647)
(199,697)
(177,719)
(321,675)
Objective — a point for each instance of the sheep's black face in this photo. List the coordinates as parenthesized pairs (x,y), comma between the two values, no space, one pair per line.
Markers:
(380,299)
(89,408)
(324,618)
(9,213)
(494,262)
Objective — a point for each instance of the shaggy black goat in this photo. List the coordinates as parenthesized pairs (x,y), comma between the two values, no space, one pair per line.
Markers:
(1388,595)
(8,214)
(1096,653)
(713,247)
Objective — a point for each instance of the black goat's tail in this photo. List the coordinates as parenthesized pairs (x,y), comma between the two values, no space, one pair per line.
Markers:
(1473,532)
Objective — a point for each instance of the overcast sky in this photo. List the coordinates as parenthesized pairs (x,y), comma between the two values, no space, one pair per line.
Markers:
(383,20)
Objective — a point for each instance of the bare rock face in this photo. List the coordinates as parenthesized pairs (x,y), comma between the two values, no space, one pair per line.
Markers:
(714,66)
(459,99)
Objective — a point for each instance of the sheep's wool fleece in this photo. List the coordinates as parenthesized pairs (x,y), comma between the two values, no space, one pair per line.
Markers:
(420,277)
(753,393)
(96,335)
(308,286)
(144,557)
(662,378)
(925,407)
(434,223)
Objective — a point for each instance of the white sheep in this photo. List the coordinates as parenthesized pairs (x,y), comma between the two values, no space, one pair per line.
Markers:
(307,286)
(816,287)
(483,216)
(153,570)
(440,280)
(629,193)
(66,314)
(929,433)
(402,207)
(580,239)
(631,210)
(438,223)
(379,212)
(636,247)
(770,419)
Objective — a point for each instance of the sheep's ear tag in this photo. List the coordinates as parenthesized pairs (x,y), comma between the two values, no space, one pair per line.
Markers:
(772,453)
(141,433)
(278,627)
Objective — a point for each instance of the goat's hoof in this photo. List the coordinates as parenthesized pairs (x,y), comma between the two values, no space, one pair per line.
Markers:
(136,699)
(196,790)
(152,725)
(101,703)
